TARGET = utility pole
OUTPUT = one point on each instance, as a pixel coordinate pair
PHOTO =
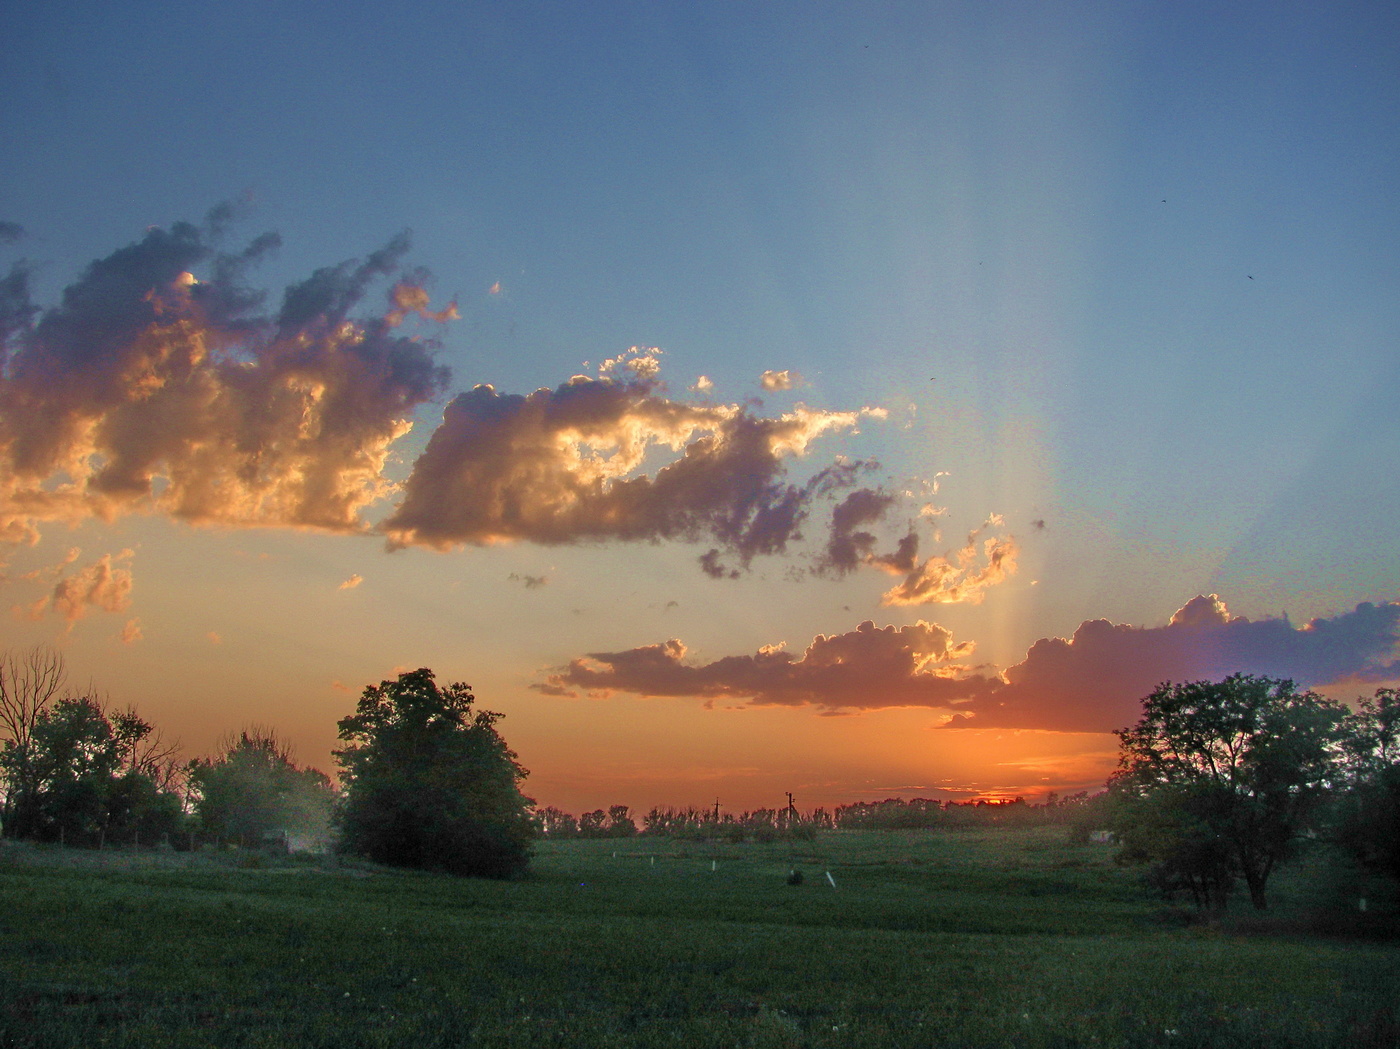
(717, 810)
(791, 809)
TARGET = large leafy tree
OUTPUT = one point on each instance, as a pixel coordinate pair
(1219, 779)
(430, 783)
(1369, 823)
(254, 792)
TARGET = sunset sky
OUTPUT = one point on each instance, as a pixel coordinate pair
(858, 400)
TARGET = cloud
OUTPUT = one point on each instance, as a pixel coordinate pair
(529, 582)
(10, 232)
(350, 584)
(412, 298)
(1091, 682)
(150, 389)
(950, 579)
(869, 667)
(101, 585)
(131, 633)
(161, 384)
(575, 464)
(848, 546)
(214, 637)
(702, 384)
(940, 579)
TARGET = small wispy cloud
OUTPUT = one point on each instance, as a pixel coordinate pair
(773, 381)
(104, 586)
(354, 581)
(131, 633)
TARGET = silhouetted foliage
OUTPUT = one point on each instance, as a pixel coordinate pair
(429, 782)
(555, 823)
(255, 794)
(90, 776)
(1219, 779)
(1368, 824)
(29, 682)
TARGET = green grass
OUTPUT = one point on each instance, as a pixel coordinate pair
(993, 938)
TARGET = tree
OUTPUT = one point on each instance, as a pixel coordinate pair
(430, 783)
(1219, 779)
(29, 682)
(93, 776)
(255, 793)
(1369, 818)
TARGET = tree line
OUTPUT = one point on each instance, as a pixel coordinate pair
(771, 824)
(426, 781)
(1218, 785)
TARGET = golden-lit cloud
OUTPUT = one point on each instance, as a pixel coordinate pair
(103, 586)
(869, 667)
(131, 633)
(1091, 682)
(159, 385)
(574, 464)
(149, 389)
(950, 579)
(775, 380)
(411, 298)
(354, 581)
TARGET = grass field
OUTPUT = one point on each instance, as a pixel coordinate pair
(978, 938)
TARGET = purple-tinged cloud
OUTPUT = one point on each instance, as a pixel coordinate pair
(849, 544)
(954, 578)
(149, 388)
(951, 578)
(1092, 682)
(570, 465)
(868, 667)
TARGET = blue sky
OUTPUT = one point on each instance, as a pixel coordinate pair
(1122, 274)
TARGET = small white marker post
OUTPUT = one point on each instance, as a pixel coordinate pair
(831, 879)
(1361, 905)
(653, 861)
(714, 866)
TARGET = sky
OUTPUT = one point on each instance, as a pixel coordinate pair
(858, 400)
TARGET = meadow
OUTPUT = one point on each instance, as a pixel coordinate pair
(994, 937)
